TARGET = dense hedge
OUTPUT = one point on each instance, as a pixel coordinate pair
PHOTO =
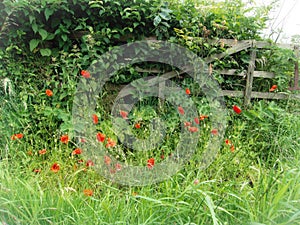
(47, 26)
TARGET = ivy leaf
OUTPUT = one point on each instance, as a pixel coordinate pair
(45, 51)
(156, 21)
(48, 12)
(43, 33)
(33, 44)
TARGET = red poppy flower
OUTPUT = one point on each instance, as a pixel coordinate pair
(85, 74)
(273, 88)
(16, 136)
(88, 192)
(100, 137)
(196, 120)
(107, 160)
(137, 125)
(49, 92)
(55, 167)
(193, 129)
(187, 124)
(77, 151)
(227, 142)
(64, 139)
(42, 152)
(187, 91)
(118, 167)
(37, 170)
(95, 119)
(232, 148)
(236, 109)
(89, 163)
(150, 163)
(202, 117)
(181, 110)
(29, 152)
(110, 143)
(124, 114)
(214, 131)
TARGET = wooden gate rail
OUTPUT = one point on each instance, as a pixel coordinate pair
(250, 74)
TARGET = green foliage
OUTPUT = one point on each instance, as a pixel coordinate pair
(45, 44)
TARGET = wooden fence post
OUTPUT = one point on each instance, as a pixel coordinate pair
(249, 81)
(296, 73)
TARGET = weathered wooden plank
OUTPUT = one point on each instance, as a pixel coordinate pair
(233, 93)
(262, 95)
(261, 74)
(233, 72)
(269, 95)
(236, 48)
(249, 81)
(296, 71)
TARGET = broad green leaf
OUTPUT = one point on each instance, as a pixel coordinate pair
(156, 21)
(45, 52)
(33, 44)
(43, 33)
(34, 27)
(164, 15)
(48, 12)
(64, 37)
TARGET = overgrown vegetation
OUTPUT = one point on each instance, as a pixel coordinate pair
(47, 46)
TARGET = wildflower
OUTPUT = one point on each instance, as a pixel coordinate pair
(107, 160)
(85, 74)
(95, 119)
(227, 142)
(37, 170)
(232, 148)
(196, 181)
(42, 152)
(202, 117)
(187, 124)
(49, 92)
(137, 125)
(273, 88)
(181, 110)
(110, 143)
(64, 139)
(55, 167)
(118, 167)
(16, 136)
(193, 129)
(88, 192)
(196, 120)
(187, 91)
(162, 156)
(214, 131)
(89, 163)
(77, 151)
(210, 69)
(150, 163)
(29, 152)
(236, 109)
(100, 137)
(124, 114)
(82, 140)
